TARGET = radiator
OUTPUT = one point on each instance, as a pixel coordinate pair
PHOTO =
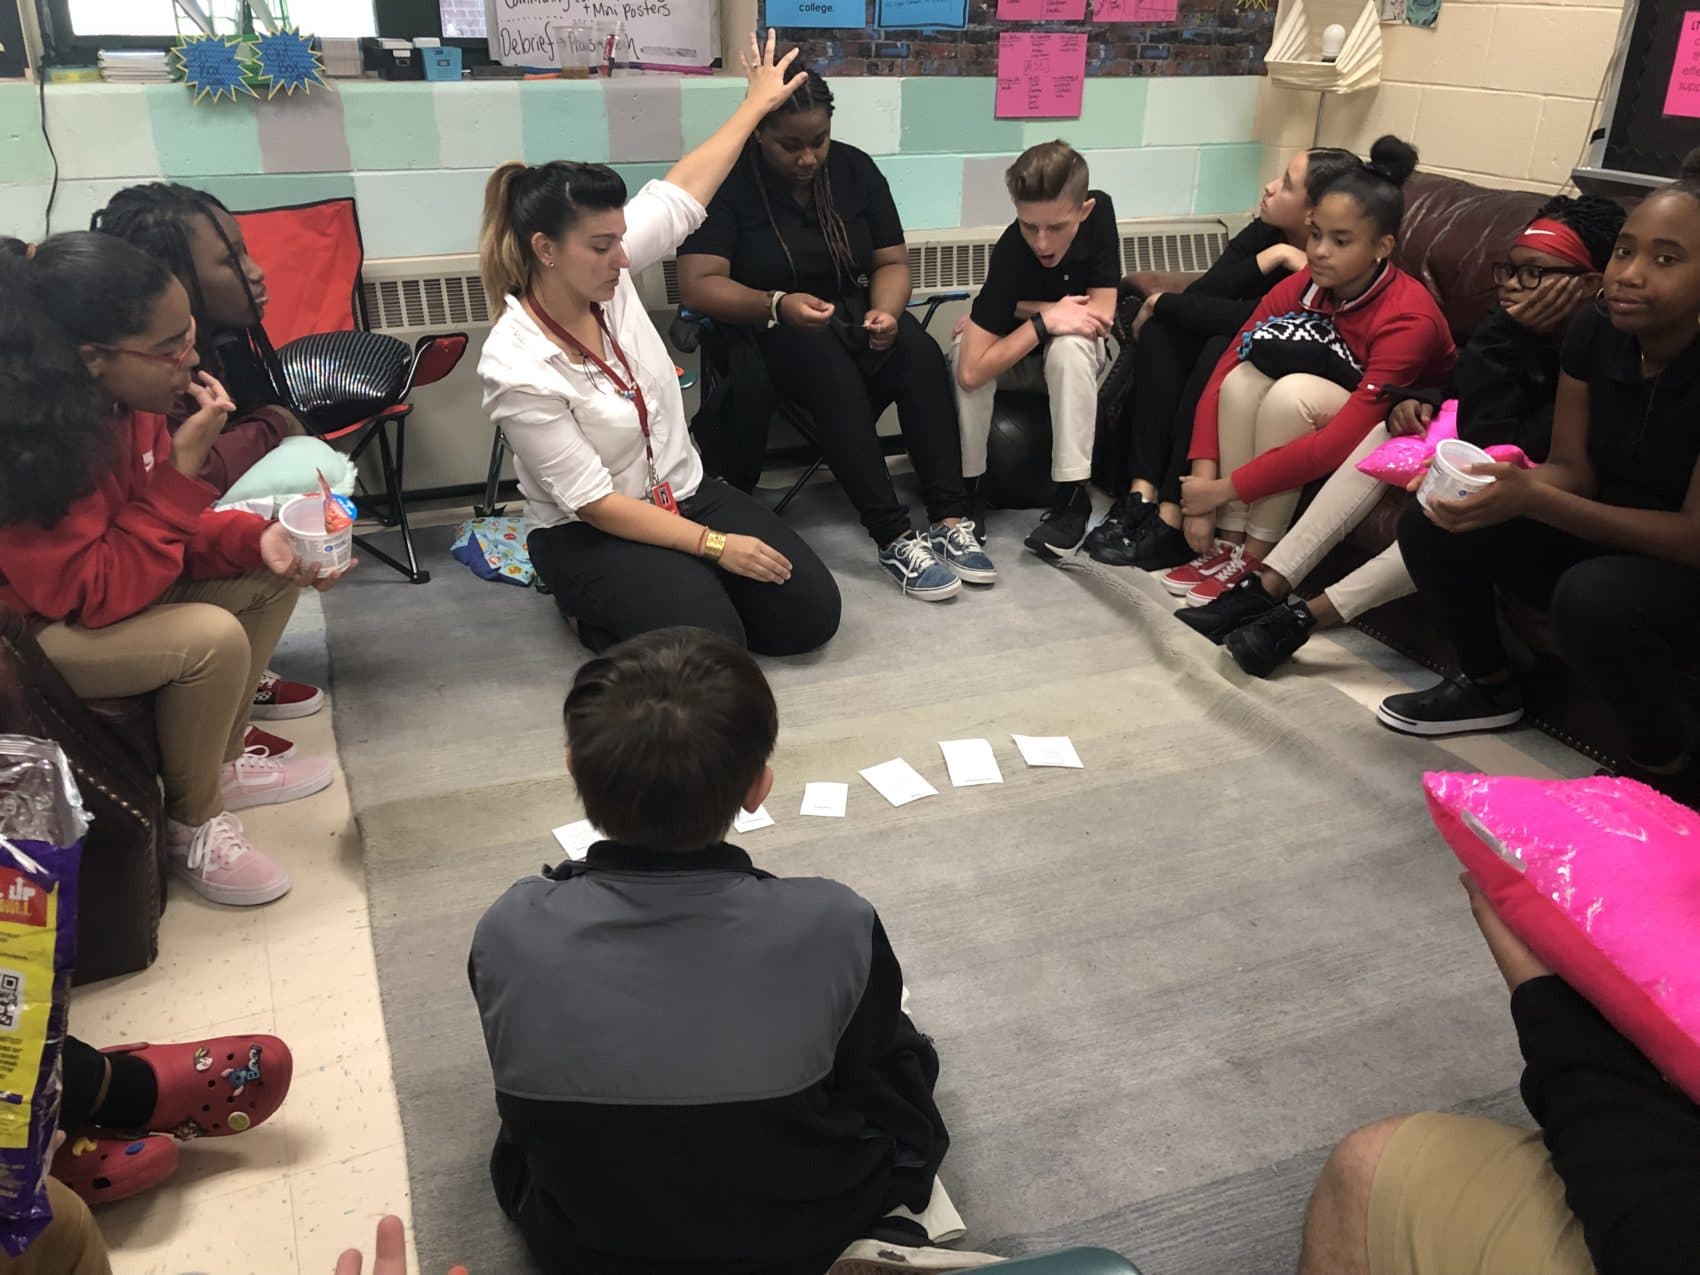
(448, 441)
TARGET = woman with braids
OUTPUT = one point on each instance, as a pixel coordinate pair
(624, 527)
(804, 249)
(111, 551)
(200, 242)
(1605, 535)
(1505, 381)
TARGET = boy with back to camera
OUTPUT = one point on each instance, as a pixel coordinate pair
(1040, 323)
(699, 1067)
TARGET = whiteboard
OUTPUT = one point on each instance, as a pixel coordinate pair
(658, 32)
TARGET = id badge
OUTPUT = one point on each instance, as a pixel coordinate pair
(661, 496)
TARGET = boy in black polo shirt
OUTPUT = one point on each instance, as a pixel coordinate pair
(1040, 322)
(699, 1067)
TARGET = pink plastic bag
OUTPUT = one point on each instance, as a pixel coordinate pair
(1601, 878)
(1399, 460)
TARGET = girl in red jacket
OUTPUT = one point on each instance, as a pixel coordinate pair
(1303, 384)
(109, 545)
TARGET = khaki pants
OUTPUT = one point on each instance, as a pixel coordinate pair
(1068, 369)
(1346, 499)
(203, 648)
(1256, 414)
(71, 1244)
(1455, 1195)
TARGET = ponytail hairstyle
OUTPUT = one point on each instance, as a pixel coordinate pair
(1373, 184)
(812, 95)
(1595, 219)
(521, 201)
(73, 289)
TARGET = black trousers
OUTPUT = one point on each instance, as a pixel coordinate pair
(1171, 367)
(82, 1069)
(616, 589)
(1623, 620)
(846, 393)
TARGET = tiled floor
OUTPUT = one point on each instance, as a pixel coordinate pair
(291, 1195)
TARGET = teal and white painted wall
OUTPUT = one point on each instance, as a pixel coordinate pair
(416, 155)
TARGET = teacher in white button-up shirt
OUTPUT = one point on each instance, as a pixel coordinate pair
(624, 527)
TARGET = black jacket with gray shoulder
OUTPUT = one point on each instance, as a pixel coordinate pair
(699, 1066)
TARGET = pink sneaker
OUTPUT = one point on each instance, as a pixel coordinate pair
(1183, 580)
(262, 743)
(217, 861)
(1213, 587)
(252, 780)
(278, 700)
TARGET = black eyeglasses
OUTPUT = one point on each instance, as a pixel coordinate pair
(1529, 276)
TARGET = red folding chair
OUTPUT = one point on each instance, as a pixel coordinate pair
(312, 255)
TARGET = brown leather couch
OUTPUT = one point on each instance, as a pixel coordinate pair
(114, 755)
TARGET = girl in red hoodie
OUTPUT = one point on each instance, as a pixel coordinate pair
(1303, 384)
(110, 547)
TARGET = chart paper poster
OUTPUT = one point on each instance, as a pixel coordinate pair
(895, 14)
(1041, 10)
(1134, 10)
(815, 13)
(1682, 96)
(1040, 75)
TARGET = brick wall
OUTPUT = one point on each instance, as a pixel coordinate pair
(1208, 37)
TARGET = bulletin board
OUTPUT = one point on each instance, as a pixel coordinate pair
(1653, 105)
(1206, 37)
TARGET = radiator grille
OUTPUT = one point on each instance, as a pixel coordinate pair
(432, 301)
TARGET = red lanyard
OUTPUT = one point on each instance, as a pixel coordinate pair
(628, 388)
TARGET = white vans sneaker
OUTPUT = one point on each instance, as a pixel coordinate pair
(256, 780)
(876, 1257)
(217, 861)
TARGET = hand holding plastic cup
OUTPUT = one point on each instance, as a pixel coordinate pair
(321, 527)
(1449, 476)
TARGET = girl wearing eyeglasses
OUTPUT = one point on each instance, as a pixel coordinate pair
(110, 548)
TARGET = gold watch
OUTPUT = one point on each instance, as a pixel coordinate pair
(713, 545)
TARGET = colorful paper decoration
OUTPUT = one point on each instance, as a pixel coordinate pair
(936, 14)
(815, 13)
(1041, 10)
(213, 65)
(1040, 75)
(289, 61)
(1682, 94)
(1134, 10)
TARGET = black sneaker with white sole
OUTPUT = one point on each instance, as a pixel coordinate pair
(1262, 645)
(1454, 706)
(1063, 525)
(1222, 615)
(1115, 535)
(1156, 547)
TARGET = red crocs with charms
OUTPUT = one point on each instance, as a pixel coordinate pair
(214, 1088)
(105, 1170)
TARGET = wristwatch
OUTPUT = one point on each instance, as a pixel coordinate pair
(713, 545)
(1040, 328)
(773, 300)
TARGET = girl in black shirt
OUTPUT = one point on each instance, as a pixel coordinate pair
(1606, 534)
(803, 250)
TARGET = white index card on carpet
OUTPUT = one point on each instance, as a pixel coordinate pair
(825, 799)
(577, 838)
(1048, 750)
(898, 782)
(752, 820)
(970, 762)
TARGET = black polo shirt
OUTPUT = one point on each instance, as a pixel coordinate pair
(740, 229)
(1093, 260)
(1643, 435)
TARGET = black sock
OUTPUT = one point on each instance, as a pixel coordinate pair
(131, 1095)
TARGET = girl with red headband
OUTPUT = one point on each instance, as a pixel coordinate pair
(1504, 382)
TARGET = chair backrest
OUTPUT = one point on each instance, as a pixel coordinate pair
(312, 255)
(434, 357)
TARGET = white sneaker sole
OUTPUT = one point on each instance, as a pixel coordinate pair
(1178, 588)
(248, 898)
(286, 712)
(239, 797)
(871, 1257)
(1461, 726)
(974, 575)
(941, 594)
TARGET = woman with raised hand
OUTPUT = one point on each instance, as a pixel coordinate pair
(624, 527)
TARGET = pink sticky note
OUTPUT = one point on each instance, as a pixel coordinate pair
(1682, 97)
(1041, 10)
(1134, 10)
(1040, 76)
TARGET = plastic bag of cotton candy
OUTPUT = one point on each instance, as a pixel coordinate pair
(41, 834)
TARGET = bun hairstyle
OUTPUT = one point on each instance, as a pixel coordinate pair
(1373, 184)
(1596, 220)
(523, 200)
(72, 290)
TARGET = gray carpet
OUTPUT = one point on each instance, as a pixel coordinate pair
(1161, 986)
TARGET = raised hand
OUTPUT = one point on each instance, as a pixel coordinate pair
(769, 87)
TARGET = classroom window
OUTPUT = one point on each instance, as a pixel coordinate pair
(144, 18)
